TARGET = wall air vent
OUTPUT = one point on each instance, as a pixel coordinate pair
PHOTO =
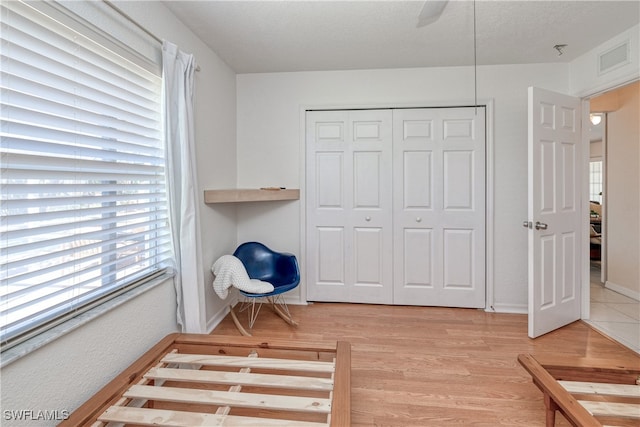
(613, 58)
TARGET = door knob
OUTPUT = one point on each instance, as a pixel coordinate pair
(368, 218)
(418, 219)
(540, 225)
(527, 224)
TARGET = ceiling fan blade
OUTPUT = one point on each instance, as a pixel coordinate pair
(430, 12)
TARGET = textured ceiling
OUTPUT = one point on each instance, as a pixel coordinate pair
(272, 36)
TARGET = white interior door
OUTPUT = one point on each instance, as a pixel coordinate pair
(349, 220)
(439, 207)
(554, 217)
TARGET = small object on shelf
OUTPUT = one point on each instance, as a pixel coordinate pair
(273, 188)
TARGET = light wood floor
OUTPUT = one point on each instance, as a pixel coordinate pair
(428, 366)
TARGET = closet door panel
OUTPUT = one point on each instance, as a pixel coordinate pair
(417, 180)
(370, 216)
(458, 179)
(349, 189)
(329, 180)
(458, 258)
(369, 254)
(367, 176)
(439, 190)
(418, 262)
(330, 256)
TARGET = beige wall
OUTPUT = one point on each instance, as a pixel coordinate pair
(622, 196)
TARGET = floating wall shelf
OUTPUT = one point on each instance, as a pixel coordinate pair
(250, 195)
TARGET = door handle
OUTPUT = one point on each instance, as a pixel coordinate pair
(541, 225)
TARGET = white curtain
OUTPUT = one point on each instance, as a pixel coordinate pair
(178, 74)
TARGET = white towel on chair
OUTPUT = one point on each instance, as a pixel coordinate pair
(230, 271)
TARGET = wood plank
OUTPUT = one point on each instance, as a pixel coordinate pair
(612, 409)
(341, 398)
(614, 363)
(233, 378)
(614, 370)
(621, 390)
(258, 343)
(162, 417)
(244, 362)
(250, 195)
(235, 345)
(225, 398)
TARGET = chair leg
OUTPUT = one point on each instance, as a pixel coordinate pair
(253, 313)
(236, 321)
(252, 308)
(279, 306)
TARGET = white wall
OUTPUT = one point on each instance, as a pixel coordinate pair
(586, 80)
(63, 374)
(271, 144)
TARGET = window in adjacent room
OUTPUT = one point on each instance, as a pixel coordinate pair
(595, 181)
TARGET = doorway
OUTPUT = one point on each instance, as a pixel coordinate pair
(614, 305)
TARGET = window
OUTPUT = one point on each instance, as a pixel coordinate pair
(83, 210)
(595, 181)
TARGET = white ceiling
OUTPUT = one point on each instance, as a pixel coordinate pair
(274, 36)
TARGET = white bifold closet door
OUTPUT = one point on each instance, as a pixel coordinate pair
(396, 206)
(439, 207)
(349, 206)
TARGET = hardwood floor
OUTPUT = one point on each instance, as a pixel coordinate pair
(430, 366)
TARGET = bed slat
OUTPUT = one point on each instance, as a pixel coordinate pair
(611, 409)
(225, 398)
(233, 378)
(622, 390)
(245, 362)
(162, 417)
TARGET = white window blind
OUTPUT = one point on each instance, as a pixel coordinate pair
(84, 208)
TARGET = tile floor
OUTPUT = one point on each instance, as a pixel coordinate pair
(614, 314)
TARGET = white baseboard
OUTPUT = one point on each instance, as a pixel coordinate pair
(623, 290)
(508, 308)
(220, 315)
(217, 318)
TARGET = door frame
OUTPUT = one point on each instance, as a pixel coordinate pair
(489, 178)
(585, 292)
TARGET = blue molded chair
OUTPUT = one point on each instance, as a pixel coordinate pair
(278, 268)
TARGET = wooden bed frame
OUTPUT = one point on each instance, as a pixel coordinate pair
(206, 380)
(588, 392)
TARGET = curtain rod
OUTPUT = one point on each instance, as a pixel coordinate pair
(136, 23)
